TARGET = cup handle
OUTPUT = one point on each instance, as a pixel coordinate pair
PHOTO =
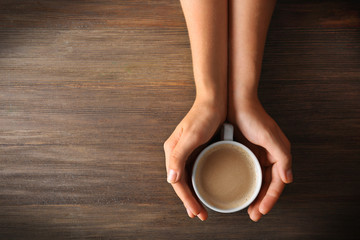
(227, 132)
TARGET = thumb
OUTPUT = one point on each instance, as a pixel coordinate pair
(185, 146)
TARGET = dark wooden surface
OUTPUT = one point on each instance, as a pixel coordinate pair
(89, 90)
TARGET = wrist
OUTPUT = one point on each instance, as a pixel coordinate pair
(243, 91)
(215, 90)
(243, 96)
(241, 102)
(212, 97)
(212, 91)
(214, 103)
(243, 83)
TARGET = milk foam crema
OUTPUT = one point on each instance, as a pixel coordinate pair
(226, 176)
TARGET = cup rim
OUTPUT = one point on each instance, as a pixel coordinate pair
(257, 169)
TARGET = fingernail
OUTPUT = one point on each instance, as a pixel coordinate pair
(202, 216)
(171, 176)
(289, 176)
(257, 217)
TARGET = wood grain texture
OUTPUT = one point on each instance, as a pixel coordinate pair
(89, 90)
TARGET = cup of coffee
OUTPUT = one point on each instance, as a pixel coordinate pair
(226, 175)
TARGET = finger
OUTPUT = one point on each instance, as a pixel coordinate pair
(284, 169)
(255, 215)
(286, 165)
(279, 153)
(170, 144)
(203, 215)
(273, 192)
(254, 212)
(176, 165)
(190, 214)
(184, 193)
(250, 209)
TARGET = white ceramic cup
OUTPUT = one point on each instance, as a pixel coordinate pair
(227, 136)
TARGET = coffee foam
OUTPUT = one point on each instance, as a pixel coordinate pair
(226, 176)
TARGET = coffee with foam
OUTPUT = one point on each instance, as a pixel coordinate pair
(226, 176)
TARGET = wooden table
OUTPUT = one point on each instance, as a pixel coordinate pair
(89, 90)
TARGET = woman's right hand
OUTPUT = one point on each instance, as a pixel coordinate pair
(197, 127)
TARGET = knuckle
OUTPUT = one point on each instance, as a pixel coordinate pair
(272, 126)
(274, 193)
(196, 137)
(166, 145)
(287, 157)
(199, 135)
(265, 137)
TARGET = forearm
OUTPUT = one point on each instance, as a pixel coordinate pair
(249, 21)
(207, 26)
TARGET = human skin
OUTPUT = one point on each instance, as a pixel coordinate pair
(207, 26)
(248, 25)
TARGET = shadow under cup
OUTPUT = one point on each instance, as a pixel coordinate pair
(226, 176)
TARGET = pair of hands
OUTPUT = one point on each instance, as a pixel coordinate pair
(258, 131)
